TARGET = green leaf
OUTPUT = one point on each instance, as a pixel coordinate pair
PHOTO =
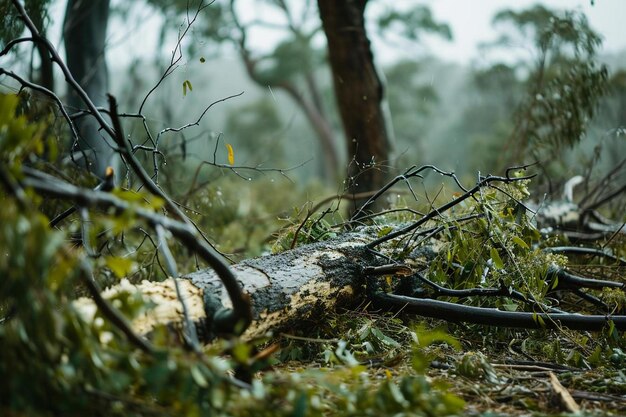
(121, 267)
(495, 257)
(510, 306)
(197, 376)
(539, 320)
(519, 242)
(384, 231)
(384, 338)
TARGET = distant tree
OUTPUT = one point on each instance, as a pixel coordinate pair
(564, 81)
(84, 30)
(295, 64)
(289, 67)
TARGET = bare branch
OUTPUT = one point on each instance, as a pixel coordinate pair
(494, 317)
(191, 337)
(237, 319)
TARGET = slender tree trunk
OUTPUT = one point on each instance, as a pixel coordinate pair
(359, 93)
(45, 74)
(85, 29)
(322, 129)
(312, 111)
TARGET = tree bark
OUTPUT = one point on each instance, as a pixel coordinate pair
(84, 30)
(359, 93)
(286, 290)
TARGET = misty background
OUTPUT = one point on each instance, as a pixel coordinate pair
(451, 99)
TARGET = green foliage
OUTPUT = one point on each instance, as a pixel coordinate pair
(412, 23)
(11, 25)
(550, 31)
(18, 137)
(474, 365)
(498, 249)
(565, 85)
(314, 229)
(547, 106)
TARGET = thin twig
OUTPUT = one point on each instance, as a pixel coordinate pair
(438, 211)
(108, 311)
(191, 336)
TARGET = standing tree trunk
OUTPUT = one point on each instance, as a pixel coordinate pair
(85, 29)
(359, 93)
(37, 13)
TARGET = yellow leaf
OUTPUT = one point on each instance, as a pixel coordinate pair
(187, 85)
(231, 154)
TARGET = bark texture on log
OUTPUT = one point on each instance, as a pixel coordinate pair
(286, 289)
(295, 285)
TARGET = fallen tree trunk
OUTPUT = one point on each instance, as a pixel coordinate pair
(292, 287)
(285, 290)
(288, 289)
(296, 287)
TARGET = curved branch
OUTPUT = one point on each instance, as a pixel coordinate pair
(108, 311)
(494, 317)
(567, 280)
(46, 92)
(585, 251)
(232, 321)
(14, 42)
(437, 211)
(482, 292)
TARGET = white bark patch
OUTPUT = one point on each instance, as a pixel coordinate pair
(167, 308)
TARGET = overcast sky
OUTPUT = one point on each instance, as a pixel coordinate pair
(471, 22)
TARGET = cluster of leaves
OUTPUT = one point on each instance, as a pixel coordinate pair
(566, 83)
(310, 230)
(12, 26)
(542, 105)
(497, 249)
(501, 250)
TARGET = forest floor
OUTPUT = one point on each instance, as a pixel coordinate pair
(497, 372)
